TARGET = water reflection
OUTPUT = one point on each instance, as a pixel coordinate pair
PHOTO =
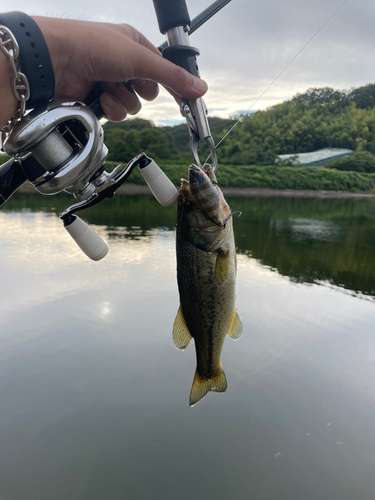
(308, 229)
(94, 395)
(310, 241)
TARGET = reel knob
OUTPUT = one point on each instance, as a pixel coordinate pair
(160, 185)
(86, 238)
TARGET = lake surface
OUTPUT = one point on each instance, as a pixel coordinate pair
(94, 396)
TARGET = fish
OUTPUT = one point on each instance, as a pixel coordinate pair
(206, 276)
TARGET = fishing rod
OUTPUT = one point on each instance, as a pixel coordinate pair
(59, 146)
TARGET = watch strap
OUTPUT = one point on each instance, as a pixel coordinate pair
(34, 57)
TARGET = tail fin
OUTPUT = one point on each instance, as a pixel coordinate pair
(201, 386)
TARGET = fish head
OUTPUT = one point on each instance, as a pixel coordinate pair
(204, 193)
(195, 220)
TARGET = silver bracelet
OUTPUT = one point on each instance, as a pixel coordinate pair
(20, 84)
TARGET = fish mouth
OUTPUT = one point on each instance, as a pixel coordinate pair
(185, 190)
(194, 172)
(211, 229)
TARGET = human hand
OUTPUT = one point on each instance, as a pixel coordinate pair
(83, 53)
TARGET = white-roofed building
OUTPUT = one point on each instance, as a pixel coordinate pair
(316, 158)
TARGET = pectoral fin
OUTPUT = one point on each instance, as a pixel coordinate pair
(181, 335)
(236, 328)
(201, 386)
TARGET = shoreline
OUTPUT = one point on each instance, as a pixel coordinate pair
(135, 189)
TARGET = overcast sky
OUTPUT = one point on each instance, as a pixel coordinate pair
(248, 43)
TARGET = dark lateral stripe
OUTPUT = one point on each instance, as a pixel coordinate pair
(201, 187)
(210, 209)
(212, 200)
(201, 193)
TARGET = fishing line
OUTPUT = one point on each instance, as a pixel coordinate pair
(278, 76)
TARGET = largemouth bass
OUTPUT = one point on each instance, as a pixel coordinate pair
(206, 274)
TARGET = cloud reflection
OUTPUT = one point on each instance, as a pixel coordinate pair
(40, 262)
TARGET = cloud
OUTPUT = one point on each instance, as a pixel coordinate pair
(247, 44)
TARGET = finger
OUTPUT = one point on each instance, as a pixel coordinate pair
(113, 108)
(128, 99)
(142, 40)
(147, 89)
(150, 66)
(176, 97)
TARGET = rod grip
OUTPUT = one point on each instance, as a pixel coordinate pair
(11, 178)
(171, 13)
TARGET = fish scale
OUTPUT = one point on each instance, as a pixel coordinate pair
(201, 301)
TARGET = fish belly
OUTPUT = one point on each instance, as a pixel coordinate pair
(207, 297)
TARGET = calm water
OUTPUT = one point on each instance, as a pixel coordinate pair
(94, 397)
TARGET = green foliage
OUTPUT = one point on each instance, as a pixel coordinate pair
(122, 144)
(130, 124)
(272, 177)
(317, 119)
(296, 127)
(364, 97)
(362, 161)
(3, 159)
(293, 178)
(130, 137)
(323, 96)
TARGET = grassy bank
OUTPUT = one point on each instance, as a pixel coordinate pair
(274, 177)
(311, 178)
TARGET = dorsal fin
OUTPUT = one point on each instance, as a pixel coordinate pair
(236, 328)
(181, 335)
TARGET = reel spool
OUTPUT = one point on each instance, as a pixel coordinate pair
(60, 146)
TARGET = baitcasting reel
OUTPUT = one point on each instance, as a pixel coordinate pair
(59, 148)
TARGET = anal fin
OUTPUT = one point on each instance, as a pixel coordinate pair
(181, 335)
(235, 328)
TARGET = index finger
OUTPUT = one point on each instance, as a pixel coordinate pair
(150, 66)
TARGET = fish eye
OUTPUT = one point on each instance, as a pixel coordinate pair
(188, 206)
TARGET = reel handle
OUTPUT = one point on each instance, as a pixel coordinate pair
(86, 238)
(160, 185)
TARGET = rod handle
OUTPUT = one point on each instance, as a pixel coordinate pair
(11, 178)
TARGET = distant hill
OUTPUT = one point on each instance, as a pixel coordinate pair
(128, 138)
(319, 118)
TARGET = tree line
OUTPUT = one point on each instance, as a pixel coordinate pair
(319, 118)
